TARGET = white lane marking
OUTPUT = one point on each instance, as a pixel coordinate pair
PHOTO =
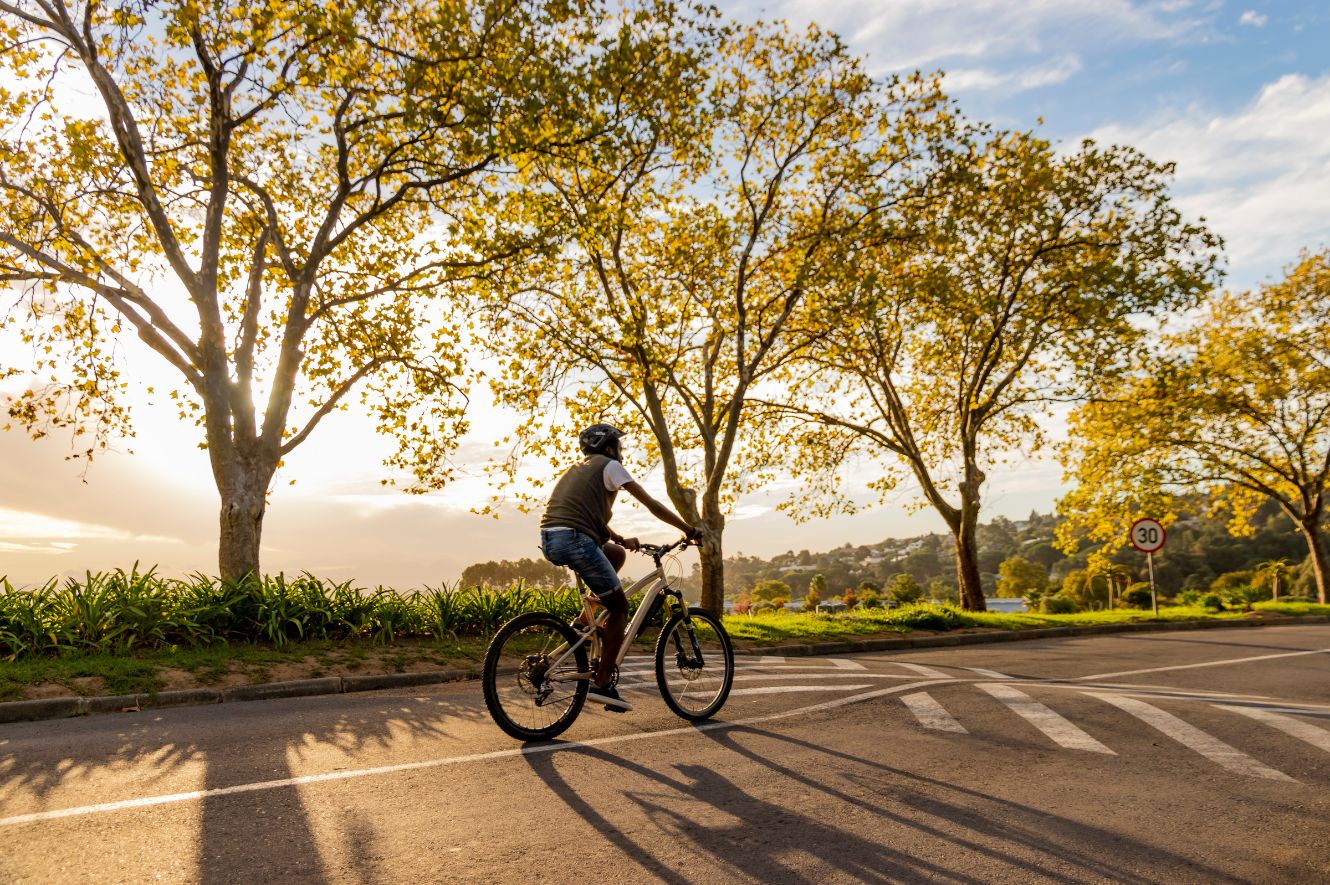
(1225, 663)
(991, 674)
(1058, 729)
(846, 664)
(1305, 731)
(1193, 738)
(784, 689)
(923, 671)
(930, 713)
(147, 801)
(771, 659)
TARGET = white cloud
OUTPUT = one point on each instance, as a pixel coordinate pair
(1253, 19)
(982, 79)
(1261, 175)
(905, 34)
(21, 525)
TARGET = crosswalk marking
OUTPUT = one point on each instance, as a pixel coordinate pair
(1041, 717)
(922, 670)
(771, 659)
(990, 674)
(931, 714)
(1193, 738)
(846, 664)
(1305, 731)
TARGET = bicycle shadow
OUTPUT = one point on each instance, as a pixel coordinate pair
(768, 838)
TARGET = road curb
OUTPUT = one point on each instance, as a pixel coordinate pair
(70, 707)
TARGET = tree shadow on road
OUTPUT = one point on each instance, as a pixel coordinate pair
(949, 833)
(249, 835)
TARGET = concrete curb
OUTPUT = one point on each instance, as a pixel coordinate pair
(69, 707)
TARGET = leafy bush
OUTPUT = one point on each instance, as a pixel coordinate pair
(1212, 602)
(1057, 604)
(1138, 596)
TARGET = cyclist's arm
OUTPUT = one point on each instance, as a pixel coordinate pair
(657, 509)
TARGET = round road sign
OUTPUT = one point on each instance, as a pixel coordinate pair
(1147, 535)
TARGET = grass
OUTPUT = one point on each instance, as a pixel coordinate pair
(131, 632)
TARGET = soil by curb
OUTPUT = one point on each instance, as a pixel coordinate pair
(67, 707)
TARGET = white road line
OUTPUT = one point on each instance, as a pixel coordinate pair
(695, 728)
(846, 664)
(923, 671)
(1193, 738)
(1305, 731)
(1058, 729)
(771, 659)
(1290, 654)
(930, 713)
(991, 674)
(784, 689)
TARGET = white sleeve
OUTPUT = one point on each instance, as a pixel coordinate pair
(616, 476)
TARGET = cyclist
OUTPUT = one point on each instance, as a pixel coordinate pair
(575, 532)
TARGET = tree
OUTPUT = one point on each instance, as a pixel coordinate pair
(693, 242)
(535, 572)
(811, 600)
(1029, 274)
(1086, 589)
(270, 197)
(1235, 405)
(1275, 574)
(1020, 577)
(770, 591)
(818, 585)
(904, 589)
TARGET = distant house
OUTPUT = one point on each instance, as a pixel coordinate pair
(831, 607)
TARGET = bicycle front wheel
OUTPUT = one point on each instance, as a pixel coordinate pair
(694, 664)
(530, 694)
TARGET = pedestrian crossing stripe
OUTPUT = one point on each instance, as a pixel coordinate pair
(1054, 726)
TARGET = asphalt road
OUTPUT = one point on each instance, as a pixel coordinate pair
(1197, 756)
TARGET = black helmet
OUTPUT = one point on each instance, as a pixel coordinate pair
(596, 438)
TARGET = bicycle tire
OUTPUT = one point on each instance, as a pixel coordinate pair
(697, 687)
(511, 695)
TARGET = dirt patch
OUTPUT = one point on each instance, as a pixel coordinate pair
(48, 690)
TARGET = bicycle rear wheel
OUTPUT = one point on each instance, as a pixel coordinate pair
(527, 697)
(694, 664)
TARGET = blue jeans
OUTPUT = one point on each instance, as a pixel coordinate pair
(581, 553)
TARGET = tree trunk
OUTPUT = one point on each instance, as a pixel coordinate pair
(1316, 543)
(967, 568)
(965, 532)
(713, 560)
(243, 491)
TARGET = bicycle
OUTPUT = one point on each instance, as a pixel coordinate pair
(537, 667)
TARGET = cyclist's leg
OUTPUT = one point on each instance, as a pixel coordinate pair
(583, 555)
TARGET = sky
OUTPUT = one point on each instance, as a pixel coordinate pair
(1237, 95)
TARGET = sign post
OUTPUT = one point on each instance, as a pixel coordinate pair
(1148, 535)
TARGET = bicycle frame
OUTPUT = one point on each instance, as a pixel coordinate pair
(658, 585)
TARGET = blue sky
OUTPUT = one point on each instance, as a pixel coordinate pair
(1238, 95)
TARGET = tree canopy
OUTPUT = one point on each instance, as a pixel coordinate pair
(1233, 404)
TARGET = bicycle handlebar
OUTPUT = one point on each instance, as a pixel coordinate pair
(656, 551)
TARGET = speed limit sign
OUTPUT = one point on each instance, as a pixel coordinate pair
(1147, 535)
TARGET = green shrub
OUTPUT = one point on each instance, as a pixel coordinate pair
(1138, 596)
(1211, 602)
(1057, 604)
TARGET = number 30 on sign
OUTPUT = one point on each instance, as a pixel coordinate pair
(1147, 535)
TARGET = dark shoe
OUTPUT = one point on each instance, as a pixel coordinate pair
(609, 696)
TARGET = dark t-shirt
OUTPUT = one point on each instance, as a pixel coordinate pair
(581, 501)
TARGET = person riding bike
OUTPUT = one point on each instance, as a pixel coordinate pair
(575, 532)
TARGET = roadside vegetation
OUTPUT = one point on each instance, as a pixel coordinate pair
(134, 631)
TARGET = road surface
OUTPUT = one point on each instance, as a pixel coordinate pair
(1194, 756)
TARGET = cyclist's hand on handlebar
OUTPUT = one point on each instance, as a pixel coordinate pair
(695, 533)
(632, 543)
